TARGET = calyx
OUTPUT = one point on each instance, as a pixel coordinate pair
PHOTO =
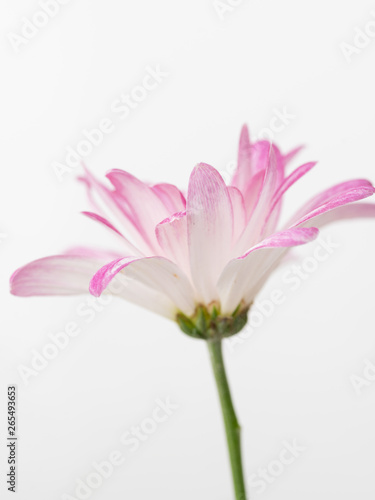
(207, 322)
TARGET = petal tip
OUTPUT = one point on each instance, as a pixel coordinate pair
(94, 288)
(202, 166)
(244, 135)
(13, 282)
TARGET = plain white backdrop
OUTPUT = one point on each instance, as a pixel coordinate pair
(222, 64)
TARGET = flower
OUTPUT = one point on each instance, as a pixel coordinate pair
(199, 260)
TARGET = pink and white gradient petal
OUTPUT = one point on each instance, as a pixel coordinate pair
(55, 275)
(172, 198)
(209, 226)
(241, 276)
(71, 275)
(239, 212)
(128, 246)
(352, 211)
(112, 206)
(355, 191)
(270, 184)
(243, 173)
(157, 273)
(147, 209)
(171, 234)
(252, 193)
(269, 221)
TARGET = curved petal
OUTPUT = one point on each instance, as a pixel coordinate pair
(172, 198)
(289, 181)
(289, 156)
(238, 210)
(209, 224)
(146, 208)
(269, 223)
(171, 234)
(353, 191)
(253, 158)
(260, 153)
(113, 206)
(71, 275)
(146, 297)
(130, 248)
(157, 273)
(327, 195)
(101, 220)
(270, 182)
(55, 275)
(240, 278)
(252, 193)
(352, 211)
(243, 172)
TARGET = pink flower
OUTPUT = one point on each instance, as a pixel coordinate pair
(214, 250)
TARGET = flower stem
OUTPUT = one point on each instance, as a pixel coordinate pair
(232, 427)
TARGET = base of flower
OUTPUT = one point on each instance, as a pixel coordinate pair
(207, 323)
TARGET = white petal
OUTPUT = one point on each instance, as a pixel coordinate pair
(238, 210)
(172, 237)
(241, 277)
(157, 273)
(209, 222)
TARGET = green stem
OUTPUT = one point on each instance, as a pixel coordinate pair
(232, 427)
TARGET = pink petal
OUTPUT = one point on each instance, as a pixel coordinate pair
(102, 220)
(71, 274)
(157, 273)
(128, 246)
(171, 234)
(252, 193)
(243, 172)
(209, 222)
(326, 195)
(270, 184)
(172, 198)
(289, 156)
(252, 159)
(239, 212)
(55, 275)
(112, 205)
(337, 196)
(352, 211)
(277, 197)
(146, 207)
(260, 154)
(242, 277)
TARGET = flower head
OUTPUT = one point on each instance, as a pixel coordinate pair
(202, 259)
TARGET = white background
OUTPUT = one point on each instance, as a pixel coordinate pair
(292, 379)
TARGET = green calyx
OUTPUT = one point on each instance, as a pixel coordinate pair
(207, 322)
